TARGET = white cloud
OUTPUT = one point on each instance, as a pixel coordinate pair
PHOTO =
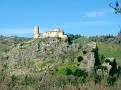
(100, 13)
(94, 14)
(89, 23)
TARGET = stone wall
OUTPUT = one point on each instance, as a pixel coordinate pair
(55, 33)
(50, 34)
(36, 32)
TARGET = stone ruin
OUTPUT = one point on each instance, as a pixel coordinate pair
(56, 33)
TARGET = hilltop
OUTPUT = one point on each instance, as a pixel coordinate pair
(6, 42)
(32, 61)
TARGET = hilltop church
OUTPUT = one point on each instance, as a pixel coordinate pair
(55, 33)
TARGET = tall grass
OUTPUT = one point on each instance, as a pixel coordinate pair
(56, 82)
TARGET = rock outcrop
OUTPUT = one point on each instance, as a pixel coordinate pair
(88, 55)
(110, 66)
(39, 55)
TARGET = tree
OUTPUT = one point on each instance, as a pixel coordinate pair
(97, 60)
(80, 73)
(116, 7)
(69, 71)
(113, 69)
(84, 52)
(80, 58)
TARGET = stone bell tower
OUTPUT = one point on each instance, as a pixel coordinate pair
(36, 32)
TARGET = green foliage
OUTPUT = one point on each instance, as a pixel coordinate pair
(111, 80)
(110, 50)
(102, 58)
(73, 37)
(113, 70)
(80, 58)
(69, 65)
(80, 73)
(104, 39)
(69, 40)
(97, 60)
(107, 61)
(98, 79)
(84, 52)
(69, 72)
(82, 40)
(116, 54)
(62, 71)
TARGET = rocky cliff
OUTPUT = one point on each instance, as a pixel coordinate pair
(49, 55)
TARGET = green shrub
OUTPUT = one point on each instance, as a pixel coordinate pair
(111, 80)
(107, 61)
(80, 73)
(98, 79)
(69, 71)
(84, 52)
(80, 58)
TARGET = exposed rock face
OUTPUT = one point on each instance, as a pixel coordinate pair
(39, 55)
(58, 45)
(110, 66)
(88, 61)
(92, 45)
(43, 54)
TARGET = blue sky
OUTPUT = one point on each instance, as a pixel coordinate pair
(84, 17)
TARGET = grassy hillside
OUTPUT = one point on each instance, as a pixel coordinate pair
(108, 49)
(82, 40)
